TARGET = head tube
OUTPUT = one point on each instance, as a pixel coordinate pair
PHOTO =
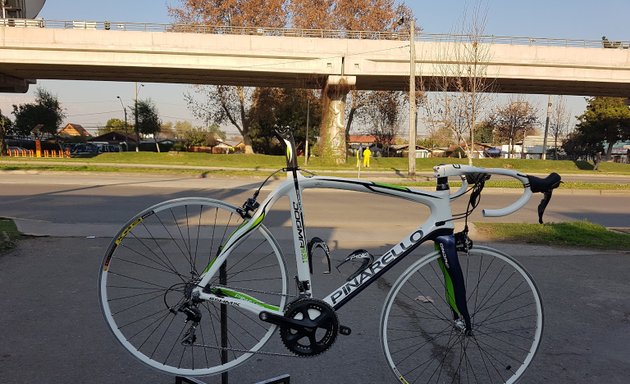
(285, 135)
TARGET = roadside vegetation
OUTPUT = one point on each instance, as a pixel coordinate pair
(579, 234)
(8, 235)
(255, 162)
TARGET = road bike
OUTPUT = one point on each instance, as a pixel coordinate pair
(196, 286)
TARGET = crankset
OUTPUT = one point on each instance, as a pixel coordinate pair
(308, 327)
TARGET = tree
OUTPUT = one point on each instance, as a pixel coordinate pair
(181, 127)
(241, 13)
(384, 117)
(5, 127)
(283, 107)
(45, 111)
(211, 136)
(224, 105)
(115, 125)
(578, 146)
(367, 15)
(484, 132)
(148, 120)
(514, 120)
(559, 122)
(463, 89)
(605, 119)
(311, 14)
(228, 104)
(231, 105)
(439, 137)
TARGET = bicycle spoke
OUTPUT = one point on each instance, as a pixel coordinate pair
(504, 310)
(152, 269)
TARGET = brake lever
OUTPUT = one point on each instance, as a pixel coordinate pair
(543, 204)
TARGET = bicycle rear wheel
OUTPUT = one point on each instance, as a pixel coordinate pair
(155, 261)
(422, 342)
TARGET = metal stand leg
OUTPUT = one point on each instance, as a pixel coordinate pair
(283, 379)
(188, 380)
(224, 331)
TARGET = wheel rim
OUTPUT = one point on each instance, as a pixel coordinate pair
(423, 344)
(153, 263)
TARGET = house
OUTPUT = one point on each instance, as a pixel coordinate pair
(222, 148)
(530, 148)
(402, 150)
(621, 152)
(354, 141)
(461, 150)
(74, 130)
(117, 138)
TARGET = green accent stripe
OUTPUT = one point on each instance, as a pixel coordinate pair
(450, 290)
(392, 186)
(242, 296)
(256, 224)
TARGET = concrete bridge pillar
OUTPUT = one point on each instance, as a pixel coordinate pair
(332, 132)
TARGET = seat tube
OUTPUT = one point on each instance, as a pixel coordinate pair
(455, 286)
(299, 238)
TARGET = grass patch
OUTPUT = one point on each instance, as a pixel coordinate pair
(581, 234)
(515, 184)
(8, 235)
(260, 162)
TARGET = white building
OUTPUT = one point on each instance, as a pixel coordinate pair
(531, 147)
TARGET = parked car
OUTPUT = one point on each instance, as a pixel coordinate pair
(84, 150)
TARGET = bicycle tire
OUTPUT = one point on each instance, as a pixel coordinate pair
(157, 257)
(423, 344)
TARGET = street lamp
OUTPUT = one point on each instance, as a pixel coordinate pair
(136, 128)
(126, 127)
(412, 98)
(308, 115)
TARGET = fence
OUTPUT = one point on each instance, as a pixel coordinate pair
(13, 152)
(313, 33)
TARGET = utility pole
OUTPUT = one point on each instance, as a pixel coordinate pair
(308, 115)
(135, 127)
(544, 149)
(126, 126)
(412, 99)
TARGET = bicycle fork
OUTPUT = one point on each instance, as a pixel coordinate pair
(454, 284)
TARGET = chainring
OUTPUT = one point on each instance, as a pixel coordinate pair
(319, 330)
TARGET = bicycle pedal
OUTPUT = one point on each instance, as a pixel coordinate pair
(346, 331)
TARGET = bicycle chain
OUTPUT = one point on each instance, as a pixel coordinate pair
(244, 350)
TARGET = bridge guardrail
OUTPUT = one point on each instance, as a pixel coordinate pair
(314, 33)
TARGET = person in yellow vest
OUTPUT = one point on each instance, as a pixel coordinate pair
(366, 157)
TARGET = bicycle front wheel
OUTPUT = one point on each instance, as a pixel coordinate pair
(156, 260)
(424, 344)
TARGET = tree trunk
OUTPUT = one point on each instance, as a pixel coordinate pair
(609, 150)
(333, 131)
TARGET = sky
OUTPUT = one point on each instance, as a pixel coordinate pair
(92, 103)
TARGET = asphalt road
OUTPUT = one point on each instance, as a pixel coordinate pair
(52, 330)
(79, 203)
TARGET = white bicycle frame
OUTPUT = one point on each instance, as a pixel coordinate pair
(438, 223)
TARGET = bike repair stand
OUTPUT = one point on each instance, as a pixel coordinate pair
(283, 379)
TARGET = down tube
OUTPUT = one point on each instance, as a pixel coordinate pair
(347, 291)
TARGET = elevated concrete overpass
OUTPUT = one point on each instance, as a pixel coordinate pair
(109, 51)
